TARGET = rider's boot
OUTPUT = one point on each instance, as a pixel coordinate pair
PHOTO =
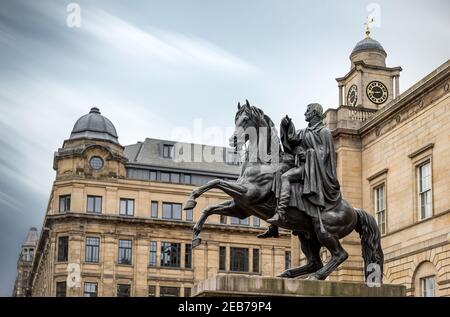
(271, 232)
(280, 214)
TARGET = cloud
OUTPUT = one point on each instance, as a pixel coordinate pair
(156, 46)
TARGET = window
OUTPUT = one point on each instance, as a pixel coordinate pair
(169, 291)
(151, 291)
(170, 254)
(123, 290)
(189, 215)
(152, 256)
(94, 204)
(153, 175)
(90, 289)
(380, 207)
(223, 219)
(154, 210)
(424, 185)
(428, 286)
(287, 260)
(125, 251)
(239, 259)
(256, 222)
(92, 249)
(187, 292)
(168, 151)
(232, 158)
(96, 162)
(256, 260)
(126, 207)
(187, 256)
(61, 289)
(27, 255)
(63, 249)
(237, 221)
(171, 211)
(187, 179)
(175, 177)
(165, 177)
(222, 258)
(64, 203)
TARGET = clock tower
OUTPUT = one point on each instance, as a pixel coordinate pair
(369, 83)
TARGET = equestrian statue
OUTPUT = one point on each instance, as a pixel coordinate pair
(290, 182)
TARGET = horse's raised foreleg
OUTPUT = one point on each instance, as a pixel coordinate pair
(311, 249)
(231, 188)
(226, 208)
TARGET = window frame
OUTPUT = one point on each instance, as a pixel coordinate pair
(65, 198)
(380, 212)
(86, 248)
(419, 192)
(162, 287)
(127, 201)
(171, 211)
(244, 263)
(154, 212)
(85, 292)
(94, 204)
(170, 152)
(62, 257)
(58, 292)
(122, 284)
(188, 256)
(423, 281)
(153, 254)
(169, 260)
(125, 249)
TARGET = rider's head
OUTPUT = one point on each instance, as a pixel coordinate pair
(313, 110)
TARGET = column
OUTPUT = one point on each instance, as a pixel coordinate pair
(340, 102)
(397, 86)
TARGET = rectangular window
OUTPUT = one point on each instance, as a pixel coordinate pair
(175, 177)
(153, 175)
(171, 211)
(287, 260)
(428, 286)
(64, 203)
(187, 256)
(169, 291)
(223, 219)
(168, 151)
(63, 249)
(256, 260)
(90, 289)
(125, 251)
(154, 210)
(152, 256)
(165, 177)
(239, 259)
(94, 204)
(380, 208)
(126, 207)
(189, 215)
(424, 173)
(187, 292)
(123, 290)
(92, 249)
(170, 254)
(151, 291)
(61, 289)
(242, 222)
(187, 179)
(256, 222)
(222, 258)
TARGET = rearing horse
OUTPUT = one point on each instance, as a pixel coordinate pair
(252, 194)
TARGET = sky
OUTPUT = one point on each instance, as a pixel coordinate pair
(156, 68)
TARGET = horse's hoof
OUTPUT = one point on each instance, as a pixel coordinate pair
(196, 242)
(312, 277)
(190, 204)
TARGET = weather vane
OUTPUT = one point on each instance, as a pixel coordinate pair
(367, 24)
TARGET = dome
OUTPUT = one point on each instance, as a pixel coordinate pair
(94, 126)
(368, 44)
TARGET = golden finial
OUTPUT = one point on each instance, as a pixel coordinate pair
(367, 24)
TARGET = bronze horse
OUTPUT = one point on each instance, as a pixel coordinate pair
(252, 194)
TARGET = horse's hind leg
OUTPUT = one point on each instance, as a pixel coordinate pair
(311, 249)
(338, 254)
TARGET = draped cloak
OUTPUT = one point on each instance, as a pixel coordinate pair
(320, 187)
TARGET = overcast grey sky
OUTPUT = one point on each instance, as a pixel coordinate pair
(154, 66)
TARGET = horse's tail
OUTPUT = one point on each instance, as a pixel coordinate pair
(370, 241)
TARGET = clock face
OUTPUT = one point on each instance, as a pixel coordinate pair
(352, 96)
(377, 92)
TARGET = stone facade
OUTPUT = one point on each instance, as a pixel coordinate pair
(385, 147)
(22, 283)
(68, 269)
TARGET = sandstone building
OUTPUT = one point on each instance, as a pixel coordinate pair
(393, 155)
(115, 225)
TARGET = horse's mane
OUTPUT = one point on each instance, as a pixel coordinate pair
(262, 120)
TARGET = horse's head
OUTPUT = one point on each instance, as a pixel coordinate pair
(245, 120)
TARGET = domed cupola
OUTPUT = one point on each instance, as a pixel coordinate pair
(94, 126)
(370, 52)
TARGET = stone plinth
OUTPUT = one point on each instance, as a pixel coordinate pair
(247, 285)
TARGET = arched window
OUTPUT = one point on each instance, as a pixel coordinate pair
(425, 280)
